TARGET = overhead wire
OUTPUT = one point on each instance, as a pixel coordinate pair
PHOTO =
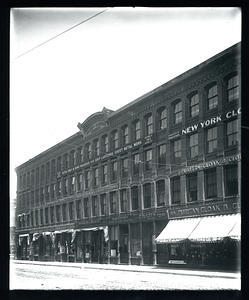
(94, 16)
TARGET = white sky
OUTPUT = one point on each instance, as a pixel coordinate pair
(109, 60)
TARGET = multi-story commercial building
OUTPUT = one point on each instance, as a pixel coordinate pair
(155, 182)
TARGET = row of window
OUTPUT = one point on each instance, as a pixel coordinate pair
(95, 206)
(193, 145)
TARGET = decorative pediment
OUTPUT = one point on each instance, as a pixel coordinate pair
(95, 122)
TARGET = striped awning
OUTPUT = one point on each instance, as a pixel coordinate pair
(177, 230)
(216, 228)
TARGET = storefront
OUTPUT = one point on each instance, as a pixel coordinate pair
(203, 241)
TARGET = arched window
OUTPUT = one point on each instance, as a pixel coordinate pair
(148, 124)
(193, 104)
(162, 118)
(136, 130)
(125, 134)
(95, 148)
(177, 111)
(232, 86)
(114, 139)
(147, 195)
(212, 96)
(105, 143)
(160, 190)
(87, 151)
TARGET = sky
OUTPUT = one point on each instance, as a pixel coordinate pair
(68, 63)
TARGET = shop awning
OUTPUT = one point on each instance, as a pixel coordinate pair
(215, 228)
(235, 233)
(22, 236)
(177, 230)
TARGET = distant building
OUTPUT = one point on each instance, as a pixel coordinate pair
(12, 227)
(155, 182)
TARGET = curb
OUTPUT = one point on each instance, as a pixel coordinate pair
(199, 273)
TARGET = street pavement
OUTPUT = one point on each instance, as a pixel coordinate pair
(135, 268)
(34, 275)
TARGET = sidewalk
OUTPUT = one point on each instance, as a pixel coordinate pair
(133, 268)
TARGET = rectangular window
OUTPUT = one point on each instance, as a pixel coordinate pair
(113, 202)
(36, 218)
(37, 196)
(42, 195)
(124, 167)
(52, 214)
(177, 152)
(104, 174)
(194, 106)
(193, 145)
(32, 218)
(135, 161)
(53, 190)
(160, 189)
(212, 97)
(64, 211)
(175, 190)
(161, 155)
(86, 207)
(41, 216)
(47, 192)
(59, 188)
(211, 183)
(103, 204)
(114, 169)
(212, 140)
(177, 113)
(148, 160)
(232, 133)
(233, 88)
(95, 176)
(231, 180)
(123, 200)
(79, 181)
(72, 181)
(32, 198)
(192, 187)
(94, 206)
(71, 211)
(79, 209)
(134, 197)
(87, 179)
(147, 195)
(46, 215)
(58, 213)
(65, 181)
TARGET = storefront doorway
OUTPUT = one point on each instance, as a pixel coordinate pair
(147, 243)
(123, 246)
